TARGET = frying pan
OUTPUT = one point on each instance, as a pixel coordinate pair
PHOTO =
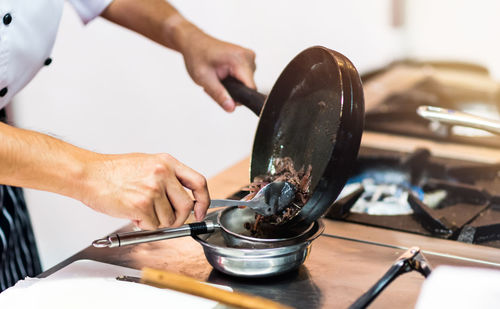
(314, 114)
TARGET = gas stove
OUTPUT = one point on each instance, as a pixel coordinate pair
(420, 193)
(420, 187)
(427, 188)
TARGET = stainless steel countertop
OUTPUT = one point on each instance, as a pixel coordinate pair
(340, 268)
(343, 264)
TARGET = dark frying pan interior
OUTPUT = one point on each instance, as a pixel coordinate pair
(314, 115)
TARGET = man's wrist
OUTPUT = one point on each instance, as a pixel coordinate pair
(89, 176)
(178, 32)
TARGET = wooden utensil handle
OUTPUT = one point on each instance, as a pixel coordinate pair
(163, 279)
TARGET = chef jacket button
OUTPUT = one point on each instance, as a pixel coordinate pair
(47, 61)
(3, 92)
(7, 19)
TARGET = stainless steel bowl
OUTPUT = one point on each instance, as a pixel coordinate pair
(269, 260)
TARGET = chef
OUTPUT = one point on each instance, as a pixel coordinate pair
(146, 188)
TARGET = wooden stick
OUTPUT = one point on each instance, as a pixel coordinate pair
(177, 282)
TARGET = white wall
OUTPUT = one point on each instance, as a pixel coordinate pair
(459, 30)
(112, 91)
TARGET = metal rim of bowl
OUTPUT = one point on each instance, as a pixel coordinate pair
(256, 239)
(318, 228)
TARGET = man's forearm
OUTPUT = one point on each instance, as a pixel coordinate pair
(155, 19)
(208, 60)
(38, 161)
(146, 188)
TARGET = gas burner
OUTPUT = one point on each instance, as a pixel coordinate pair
(385, 192)
(422, 194)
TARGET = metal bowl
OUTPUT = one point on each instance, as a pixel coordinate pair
(233, 221)
(272, 258)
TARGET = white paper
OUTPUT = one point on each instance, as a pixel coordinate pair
(90, 284)
(461, 287)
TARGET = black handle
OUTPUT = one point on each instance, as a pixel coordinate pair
(366, 299)
(198, 228)
(252, 99)
(412, 259)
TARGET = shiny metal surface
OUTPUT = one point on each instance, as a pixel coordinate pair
(411, 260)
(103, 243)
(453, 117)
(138, 237)
(257, 259)
(337, 271)
(255, 266)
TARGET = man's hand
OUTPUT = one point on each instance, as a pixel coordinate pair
(209, 60)
(148, 189)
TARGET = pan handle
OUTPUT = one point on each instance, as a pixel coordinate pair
(252, 99)
(132, 238)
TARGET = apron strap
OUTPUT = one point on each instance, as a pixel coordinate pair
(18, 251)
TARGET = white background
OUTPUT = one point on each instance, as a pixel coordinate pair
(112, 91)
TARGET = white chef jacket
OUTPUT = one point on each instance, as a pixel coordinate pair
(28, 30)
(27, 33)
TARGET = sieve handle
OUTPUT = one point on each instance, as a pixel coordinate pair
(132, 238)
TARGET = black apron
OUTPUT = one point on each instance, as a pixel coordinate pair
(18, 252)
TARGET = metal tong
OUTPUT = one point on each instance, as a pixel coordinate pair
(411, 260)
